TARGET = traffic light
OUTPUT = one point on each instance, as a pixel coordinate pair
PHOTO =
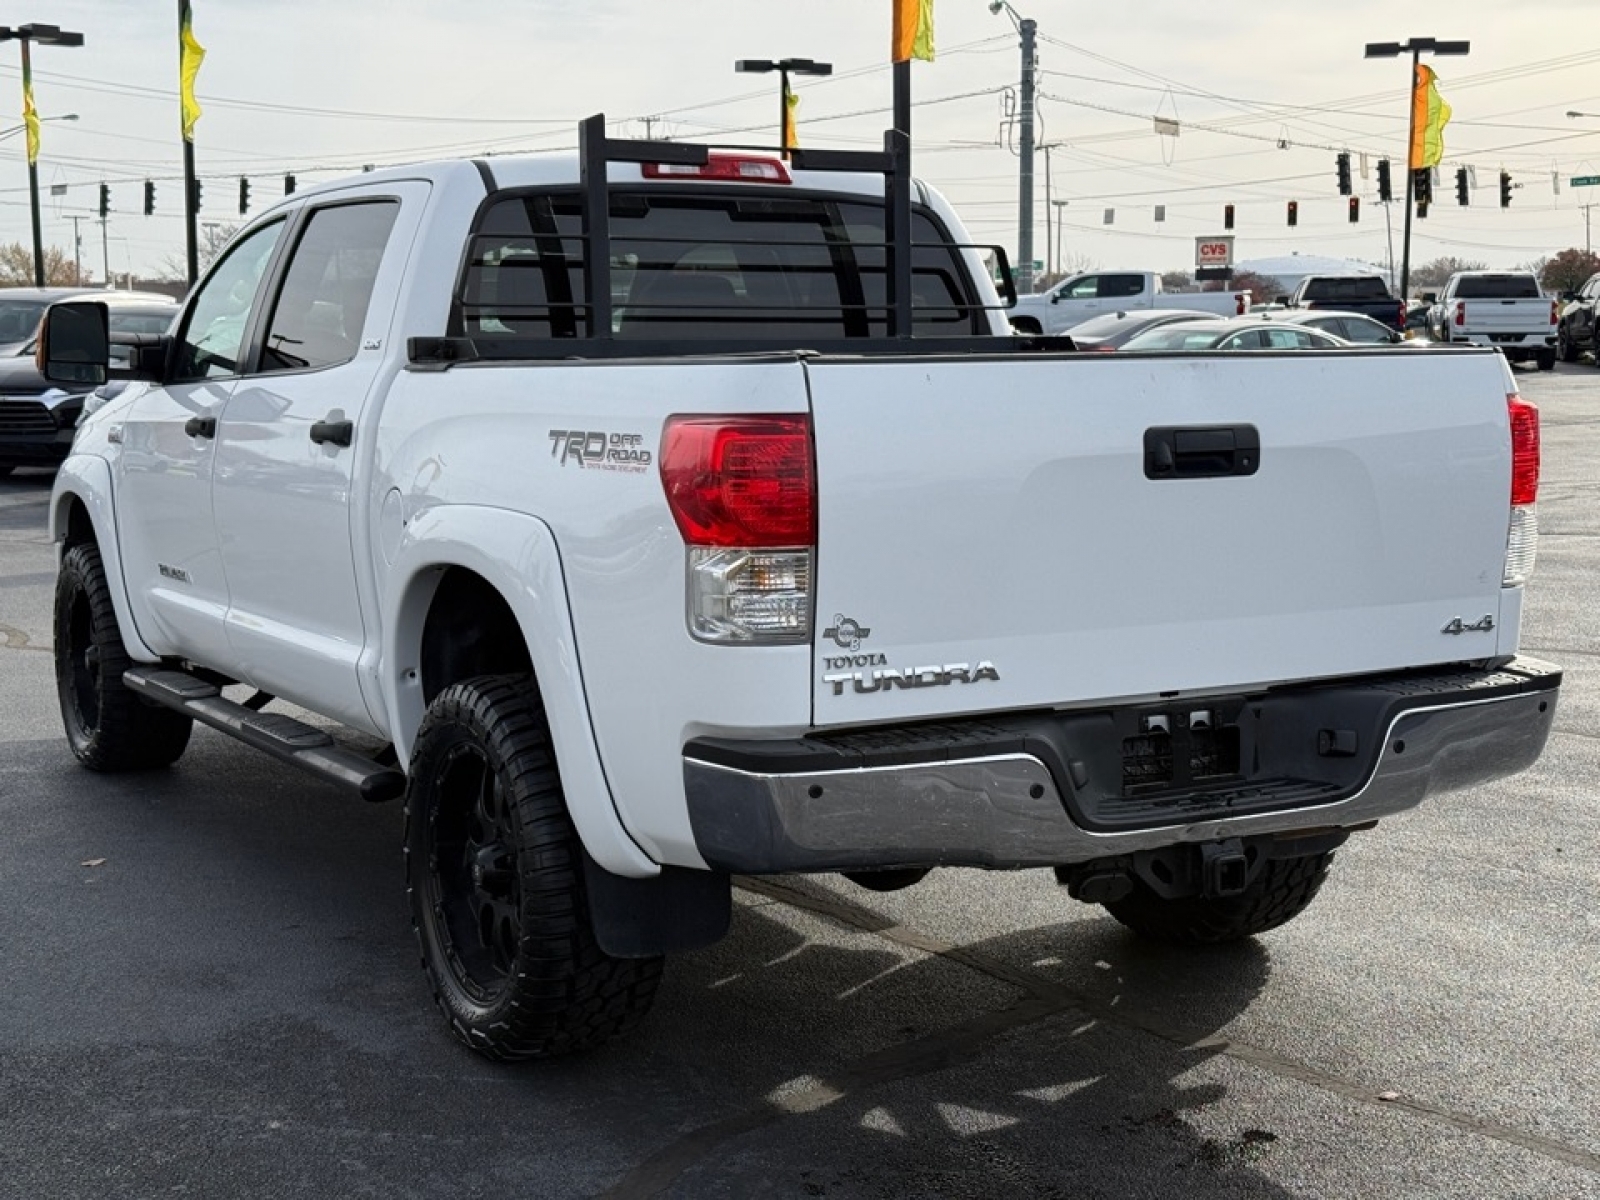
(244, 195)
(1294, 212)
(1461, 187)
(288, 185)
(149, 198)
(105, 201)
(1385, 187)
(1505, 189)
(194, 194)
(1355, 209)
(1422, 186)
(1227, 216)
(1344, 172)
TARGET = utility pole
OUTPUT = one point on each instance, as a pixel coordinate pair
(77, 252)
(105, 249)
(1027, 27)
(1586, 208)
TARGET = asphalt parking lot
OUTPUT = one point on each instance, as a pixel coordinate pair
(211, 989)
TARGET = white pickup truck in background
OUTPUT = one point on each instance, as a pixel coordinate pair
(1505, 310)
(1094, 293)
(660, 515)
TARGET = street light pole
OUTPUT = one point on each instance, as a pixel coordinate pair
(45, 35)
(783, 66)
(1414, 47)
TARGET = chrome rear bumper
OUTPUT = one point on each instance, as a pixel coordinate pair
(760, 808)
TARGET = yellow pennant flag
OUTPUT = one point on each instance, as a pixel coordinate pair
(791, 106)
(913, 30)
(1429, 113)
(191, 53)
(30, 114)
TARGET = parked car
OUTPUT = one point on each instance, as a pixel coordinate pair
(1233, 335)
(37, 417)
(1503, 310)
(1112, 331)
(1367, 294)
(1096, 293)
(20, 310)
(1575, 323)
(1354, 327)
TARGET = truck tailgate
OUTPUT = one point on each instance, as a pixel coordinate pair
(989, 537)
(1505, 316)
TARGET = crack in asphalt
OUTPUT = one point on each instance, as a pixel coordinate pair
(1042, 999)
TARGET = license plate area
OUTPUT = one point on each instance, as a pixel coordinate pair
(1183, 747)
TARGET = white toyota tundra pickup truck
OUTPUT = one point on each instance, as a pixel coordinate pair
(663, 515)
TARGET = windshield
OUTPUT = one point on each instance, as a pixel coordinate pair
(19, 318)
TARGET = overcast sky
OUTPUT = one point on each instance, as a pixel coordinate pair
(1266, 94)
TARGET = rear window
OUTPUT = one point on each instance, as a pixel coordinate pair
(1357, 287)
(707, 265)
(1497, 287)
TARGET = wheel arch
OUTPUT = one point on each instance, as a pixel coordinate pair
(81, 510)
(474, 591)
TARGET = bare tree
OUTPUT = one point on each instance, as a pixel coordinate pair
(214, 236)
(16, 267)
(1431, 276)
(1176, 281)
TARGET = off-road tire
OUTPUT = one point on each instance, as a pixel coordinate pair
(494, 872)
(1565, 350)
(109, 726)
(1278, 894)
(1546, 360)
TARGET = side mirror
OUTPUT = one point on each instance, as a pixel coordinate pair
(1055, 296)
(1430, 297)
(1283, 300)
(75, 342)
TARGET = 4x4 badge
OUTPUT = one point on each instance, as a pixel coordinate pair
(846, 633)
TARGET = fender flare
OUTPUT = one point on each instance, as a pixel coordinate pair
(517, 555)
(87, 479)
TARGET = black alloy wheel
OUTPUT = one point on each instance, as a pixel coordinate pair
(495, 873)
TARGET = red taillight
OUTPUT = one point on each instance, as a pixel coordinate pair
(1405, 317)
(728, 168)
(1241, 303)
(1524, 450)
(1555, 312)
(740, 481)
(1461, 312)
(1103, 349)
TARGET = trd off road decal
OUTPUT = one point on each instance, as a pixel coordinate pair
(597, 450)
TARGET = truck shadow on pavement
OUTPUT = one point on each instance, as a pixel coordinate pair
(1053, 1061)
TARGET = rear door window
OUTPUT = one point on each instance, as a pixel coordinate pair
(1120, 286)
(706, 266)
(322, 306)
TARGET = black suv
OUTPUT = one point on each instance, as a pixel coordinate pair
(1575, 327)
(37, 418)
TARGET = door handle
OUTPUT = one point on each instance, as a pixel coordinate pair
(201, 427)
(1203, 452)
(332, 433)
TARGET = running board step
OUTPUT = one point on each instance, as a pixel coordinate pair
(279, 735)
